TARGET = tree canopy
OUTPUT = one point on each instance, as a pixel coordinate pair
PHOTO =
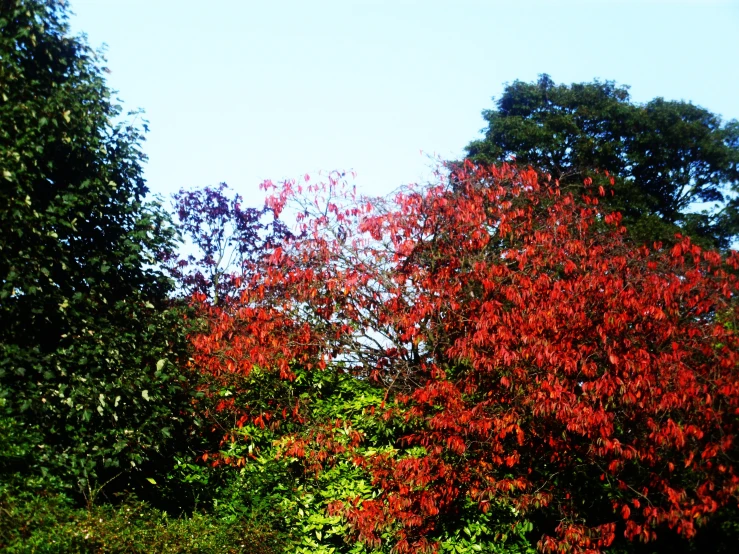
(86, 341)
(533, 360)
(676, 164)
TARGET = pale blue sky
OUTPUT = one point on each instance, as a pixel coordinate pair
(241, 91)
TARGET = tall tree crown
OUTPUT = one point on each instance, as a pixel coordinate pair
(82, 341)
(675, 162)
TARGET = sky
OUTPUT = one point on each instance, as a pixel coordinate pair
(240, 91)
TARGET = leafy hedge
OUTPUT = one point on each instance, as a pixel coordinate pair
(51, 524)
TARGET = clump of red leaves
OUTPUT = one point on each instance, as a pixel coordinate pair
(541, 359)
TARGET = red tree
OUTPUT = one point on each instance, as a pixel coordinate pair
(539, 358)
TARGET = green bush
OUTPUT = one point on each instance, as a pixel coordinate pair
(292, 494)
(49, 524)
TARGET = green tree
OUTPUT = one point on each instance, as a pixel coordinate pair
(90, 390)
(675, 163)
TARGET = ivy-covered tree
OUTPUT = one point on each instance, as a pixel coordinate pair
(89, 389)
(675, 163)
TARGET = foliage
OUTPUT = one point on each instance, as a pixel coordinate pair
(287, 479)
(294, 473)
(51, 524)
(483, 365)
(225, 235)
(667, 155)
(293, 432)
(89, 350)
(532, 361)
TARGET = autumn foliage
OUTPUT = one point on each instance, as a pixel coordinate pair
(530, 355)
